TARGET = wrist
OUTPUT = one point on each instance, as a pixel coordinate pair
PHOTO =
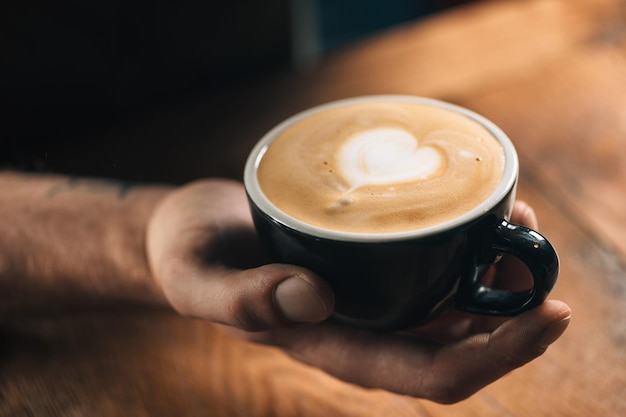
(67, 242)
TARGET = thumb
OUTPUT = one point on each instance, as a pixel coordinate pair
(262, 298)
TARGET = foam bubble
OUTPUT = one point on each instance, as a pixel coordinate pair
(386, 156)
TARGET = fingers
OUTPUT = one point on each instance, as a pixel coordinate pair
(524, 215)
(463, 368)
(410, 366)
(255, 299)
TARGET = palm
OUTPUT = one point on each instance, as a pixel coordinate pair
(205, 254)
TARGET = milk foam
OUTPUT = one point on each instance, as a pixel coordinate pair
(381, 167)
(385, 156)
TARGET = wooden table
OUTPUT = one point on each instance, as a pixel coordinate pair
(551, 73)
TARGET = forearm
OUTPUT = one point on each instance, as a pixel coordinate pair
(66, 242)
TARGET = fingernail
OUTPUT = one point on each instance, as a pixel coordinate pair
(553, 331)
(299, 302)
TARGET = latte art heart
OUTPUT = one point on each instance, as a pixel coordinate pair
(384, 156)
(380, 167)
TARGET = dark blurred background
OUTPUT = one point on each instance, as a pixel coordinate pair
(71, 69)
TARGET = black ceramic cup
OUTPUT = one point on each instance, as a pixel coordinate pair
(395, 281)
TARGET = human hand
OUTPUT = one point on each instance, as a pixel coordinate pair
(203, 250)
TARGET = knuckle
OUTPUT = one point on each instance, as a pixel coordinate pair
(245, 316)
(251, 306)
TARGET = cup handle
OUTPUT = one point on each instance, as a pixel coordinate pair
(528, 246)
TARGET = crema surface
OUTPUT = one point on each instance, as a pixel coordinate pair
(381, 167)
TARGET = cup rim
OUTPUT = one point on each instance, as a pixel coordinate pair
(256, 195)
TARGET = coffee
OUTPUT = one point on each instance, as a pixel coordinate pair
(381, 167)
(401, 203)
